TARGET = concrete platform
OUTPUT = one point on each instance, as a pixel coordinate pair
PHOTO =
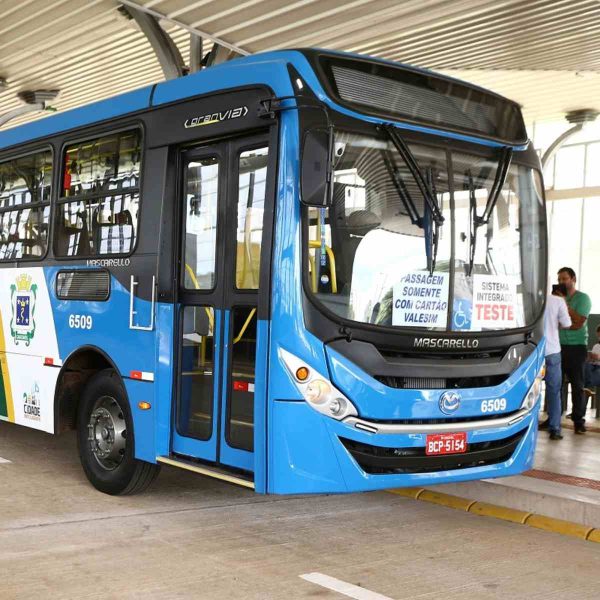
(193, 537)
(565, 483)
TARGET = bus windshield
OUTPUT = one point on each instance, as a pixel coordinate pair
(378, 254)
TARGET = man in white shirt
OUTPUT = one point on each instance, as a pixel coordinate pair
(555, 318)
(592, 367)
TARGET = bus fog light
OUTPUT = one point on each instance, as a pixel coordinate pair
(337, 406)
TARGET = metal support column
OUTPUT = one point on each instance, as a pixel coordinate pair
(35, 100)
(579, 118)
(21, 110)
(164, 47)
(166, 51)
(219, 54)
(196, 50)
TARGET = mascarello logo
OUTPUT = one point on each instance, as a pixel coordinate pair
(23, 296)
(449, 402)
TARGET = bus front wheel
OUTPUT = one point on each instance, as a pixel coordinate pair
(105, 438)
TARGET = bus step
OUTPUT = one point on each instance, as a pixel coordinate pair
(207, 470)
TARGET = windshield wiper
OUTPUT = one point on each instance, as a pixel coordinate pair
(433, 236)
(402, 190)
(429, 227)
(476, 220)
(415, 171)
(426, 185)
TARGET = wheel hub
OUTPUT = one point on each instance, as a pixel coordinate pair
(107, 433)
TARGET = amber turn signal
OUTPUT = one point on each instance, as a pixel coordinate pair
(302, 374)
(144, 405)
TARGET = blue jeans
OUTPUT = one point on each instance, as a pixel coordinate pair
(592, 375)
(553, 384)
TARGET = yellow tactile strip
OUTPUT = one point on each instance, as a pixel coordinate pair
(500, 512)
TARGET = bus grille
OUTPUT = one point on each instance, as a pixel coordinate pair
(440, 383)
(376, 460)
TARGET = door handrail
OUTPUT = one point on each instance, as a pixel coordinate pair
(244, 326)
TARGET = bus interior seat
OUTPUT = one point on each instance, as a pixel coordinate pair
(75, 240)
(119, 230)
(196, 324)
(348, 233)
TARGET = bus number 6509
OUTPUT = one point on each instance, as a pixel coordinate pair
(80, 321)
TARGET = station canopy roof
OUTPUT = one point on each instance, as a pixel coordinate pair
(544, 54)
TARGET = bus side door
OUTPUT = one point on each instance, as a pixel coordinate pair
(226, 216)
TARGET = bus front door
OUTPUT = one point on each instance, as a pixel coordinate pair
(224, 188)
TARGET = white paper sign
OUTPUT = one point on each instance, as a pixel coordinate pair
(494, 302)
(421, 300)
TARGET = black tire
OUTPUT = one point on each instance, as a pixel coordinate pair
(106, 441)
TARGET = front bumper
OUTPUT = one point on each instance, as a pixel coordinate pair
(316, 454)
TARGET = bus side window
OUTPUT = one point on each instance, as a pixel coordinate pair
(25, 206)
(98, 210)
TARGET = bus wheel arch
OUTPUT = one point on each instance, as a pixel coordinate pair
(77, 370)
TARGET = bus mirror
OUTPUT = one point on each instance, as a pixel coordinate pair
(315, 181)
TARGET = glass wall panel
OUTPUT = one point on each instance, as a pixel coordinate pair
(592, 165)
(590, 255)
(564, 234)
(568, 172)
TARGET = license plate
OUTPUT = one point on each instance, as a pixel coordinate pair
(446, 443)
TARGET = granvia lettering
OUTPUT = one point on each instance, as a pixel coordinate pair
(216, 117)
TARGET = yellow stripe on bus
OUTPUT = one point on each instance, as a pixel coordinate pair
(10, 408)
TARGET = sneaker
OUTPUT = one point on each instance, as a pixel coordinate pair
(544, 424)
(580, 429)
(555, 435)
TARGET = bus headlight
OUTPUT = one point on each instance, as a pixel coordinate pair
(317, 390)
(535, 390)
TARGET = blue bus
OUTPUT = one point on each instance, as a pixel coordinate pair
(301, 271)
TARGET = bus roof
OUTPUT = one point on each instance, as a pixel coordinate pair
(270, 68)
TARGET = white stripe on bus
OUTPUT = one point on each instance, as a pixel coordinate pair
(141, 375)
(348, 589)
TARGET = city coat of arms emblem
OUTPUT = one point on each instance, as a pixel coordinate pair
(23, 296)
